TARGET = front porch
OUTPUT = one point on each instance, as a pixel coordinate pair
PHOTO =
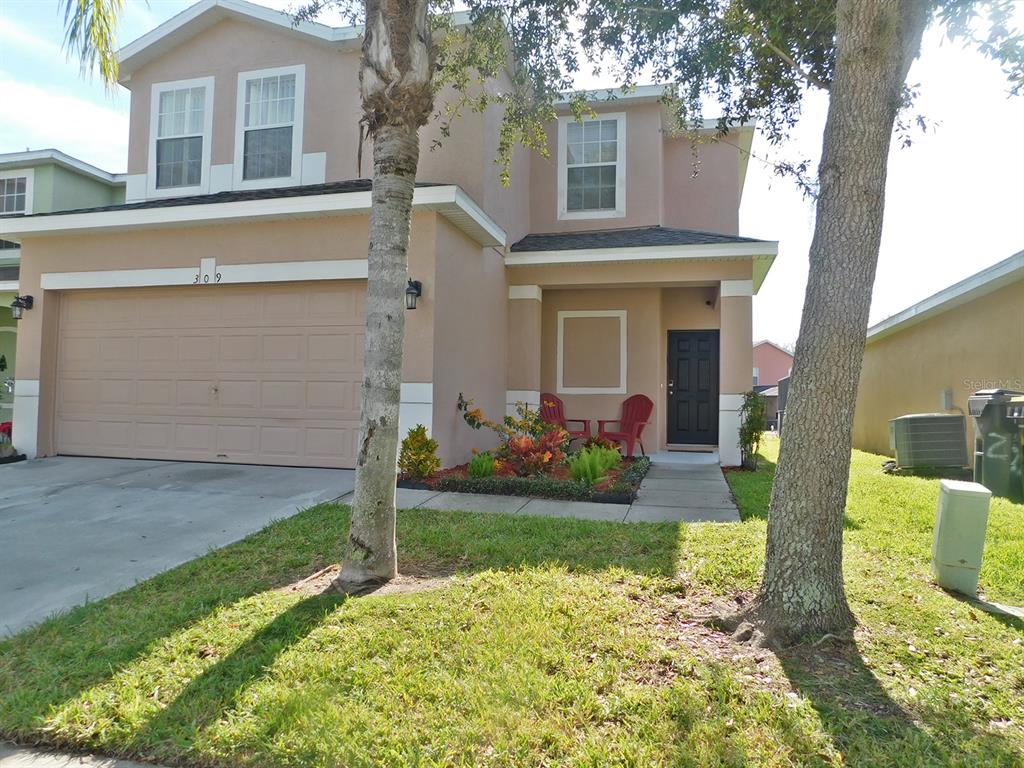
(597, 317)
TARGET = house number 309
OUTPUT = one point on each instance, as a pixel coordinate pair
(204, 279)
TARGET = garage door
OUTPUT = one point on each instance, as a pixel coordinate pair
(265, 374)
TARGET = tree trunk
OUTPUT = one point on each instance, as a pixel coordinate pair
(802, 591)
(395, 80)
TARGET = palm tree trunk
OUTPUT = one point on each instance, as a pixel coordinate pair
(802, 591)
(396, 86)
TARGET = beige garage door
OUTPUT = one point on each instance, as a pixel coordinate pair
(261, 374)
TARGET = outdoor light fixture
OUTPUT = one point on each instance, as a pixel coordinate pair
(19, 305)
(412, 293)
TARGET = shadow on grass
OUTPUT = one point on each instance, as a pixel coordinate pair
(53, 663)
(872, 729)
(217, 689)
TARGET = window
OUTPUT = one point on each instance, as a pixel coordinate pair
(181, 115)
(756, 375)
(16, 191)
(268, 140)
(591, 167)
(590, 357)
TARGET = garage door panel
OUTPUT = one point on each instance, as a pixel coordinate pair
(256, 374)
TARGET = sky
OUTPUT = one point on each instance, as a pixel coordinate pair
(954, 199)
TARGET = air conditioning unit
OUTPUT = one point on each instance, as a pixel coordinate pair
(929, 440)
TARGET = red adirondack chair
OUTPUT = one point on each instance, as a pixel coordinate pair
(636, 410)
(552, 410)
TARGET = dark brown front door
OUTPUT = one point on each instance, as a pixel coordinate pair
(693, 387)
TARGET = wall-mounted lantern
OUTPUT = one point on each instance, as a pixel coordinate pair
(19, 305)
(412, 293)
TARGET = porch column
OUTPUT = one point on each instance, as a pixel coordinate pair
(736, 364)
(524, 322)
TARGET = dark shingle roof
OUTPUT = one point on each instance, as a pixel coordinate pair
(631, 237)
(331, 188)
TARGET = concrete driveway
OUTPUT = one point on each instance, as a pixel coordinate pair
(78, 529)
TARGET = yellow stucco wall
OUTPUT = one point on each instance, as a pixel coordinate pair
(978, 345)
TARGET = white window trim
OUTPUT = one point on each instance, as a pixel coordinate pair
(154, 117)
(29, 174)
(240, 182)
(620, 170)
(559, 372)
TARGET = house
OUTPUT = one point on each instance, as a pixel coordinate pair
(940, 351)
(39, 181)
(771, 363)
(218, 314)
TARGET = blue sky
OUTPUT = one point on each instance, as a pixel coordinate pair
(954, 201)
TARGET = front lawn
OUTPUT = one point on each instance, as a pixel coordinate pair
(537, 642)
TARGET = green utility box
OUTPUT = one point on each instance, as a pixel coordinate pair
(999, 441)
(960, 535)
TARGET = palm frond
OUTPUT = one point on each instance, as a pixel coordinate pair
(90, 34)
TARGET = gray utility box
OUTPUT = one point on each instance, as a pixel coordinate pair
(929, 440)
(960, 535)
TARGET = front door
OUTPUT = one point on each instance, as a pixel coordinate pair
(693, 387)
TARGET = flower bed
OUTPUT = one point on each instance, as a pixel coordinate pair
(533, 458)
(617, 487)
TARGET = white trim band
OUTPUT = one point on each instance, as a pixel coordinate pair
(525, 292)
(448, 200)
(25, 435)
(513, 397)
(736, 288)
(208, 274)
(416, 406)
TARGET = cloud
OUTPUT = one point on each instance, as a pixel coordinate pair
(44, 118)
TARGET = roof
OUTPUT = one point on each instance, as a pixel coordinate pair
(772, 391)
(340, 198)
(35, 157)
(640, 244)
(977, 285)
(205, 13)
(334, 187)
(624, 238)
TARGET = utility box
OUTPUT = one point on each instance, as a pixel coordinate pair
(999, 445)
(960, 535)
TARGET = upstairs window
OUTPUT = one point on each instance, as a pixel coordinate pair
(268, 141)
(180, 147)
(13, 194)
(591, 167)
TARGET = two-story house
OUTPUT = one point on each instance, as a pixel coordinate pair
(39, 181)
(218, 314)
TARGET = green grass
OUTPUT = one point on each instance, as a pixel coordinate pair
(558, 642)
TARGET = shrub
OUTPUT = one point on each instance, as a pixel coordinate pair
(596, 441)
(418, 458)
(592, 464)
(630, 478)
(538, 485)
(753, 423)
(529, 455)
(481, 465)
(529, 444)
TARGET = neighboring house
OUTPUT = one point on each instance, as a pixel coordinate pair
(31, 182)
(967, 337)
(218, 315)
(771, 363)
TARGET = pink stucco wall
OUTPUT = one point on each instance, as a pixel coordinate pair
(772, 363)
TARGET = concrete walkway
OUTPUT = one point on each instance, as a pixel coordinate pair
(23, 757)
(679, 487)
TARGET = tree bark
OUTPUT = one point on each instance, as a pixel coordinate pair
(397, 94)
(802, 590)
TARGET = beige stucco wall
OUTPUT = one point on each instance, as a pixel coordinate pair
(249, 243)
(643, 175)
(701, 185)
(469, 340)
(978, 345)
